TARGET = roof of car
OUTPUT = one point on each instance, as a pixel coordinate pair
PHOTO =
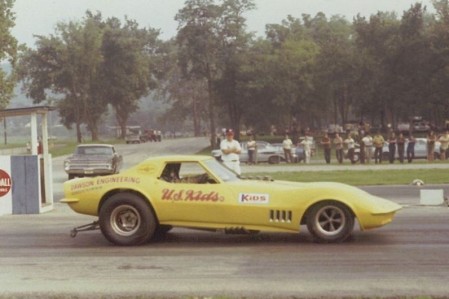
(95, 145)
(154, 164)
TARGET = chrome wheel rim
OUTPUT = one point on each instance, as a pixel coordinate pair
(330, 220)
(125, 220)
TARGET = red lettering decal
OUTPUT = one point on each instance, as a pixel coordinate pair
(190, 195)
(167, 194)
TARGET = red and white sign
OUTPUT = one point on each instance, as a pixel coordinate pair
(5, 186)
(5, 183)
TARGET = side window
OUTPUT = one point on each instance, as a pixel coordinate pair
(186, 173)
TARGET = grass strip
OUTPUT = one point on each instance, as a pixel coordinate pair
(364, 177)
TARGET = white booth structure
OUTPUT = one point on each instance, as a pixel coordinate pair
(26, 181)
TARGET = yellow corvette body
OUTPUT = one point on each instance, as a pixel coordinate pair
(199, 192)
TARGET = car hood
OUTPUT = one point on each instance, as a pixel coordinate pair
(285, 191)
(268, 184)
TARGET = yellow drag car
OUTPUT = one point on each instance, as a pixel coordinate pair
(147, 200)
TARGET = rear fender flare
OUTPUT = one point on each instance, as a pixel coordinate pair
(107, 195)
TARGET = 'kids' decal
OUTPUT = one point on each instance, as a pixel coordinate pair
(254, 198)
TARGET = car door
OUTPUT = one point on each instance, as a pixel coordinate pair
(191, 194)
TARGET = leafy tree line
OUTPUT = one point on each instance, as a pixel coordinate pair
(305, 72)
(8, 51)
(86, 66)
(314, 70)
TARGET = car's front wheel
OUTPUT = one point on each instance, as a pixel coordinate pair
(274, 160)
(125, 219)
(330, 222)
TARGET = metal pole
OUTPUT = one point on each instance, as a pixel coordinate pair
(4, 131)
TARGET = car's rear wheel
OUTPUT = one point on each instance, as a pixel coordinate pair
(125, 219)
(330, 222)
(274, 160)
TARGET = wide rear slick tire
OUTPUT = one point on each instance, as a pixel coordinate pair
(127, 220)
(330, 222)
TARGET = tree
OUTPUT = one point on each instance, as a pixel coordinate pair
(377, 41)
(439, 67)
(290, 72)
(8, 51)
(91, 64)
(257, 90)
(66, 66)
(234, 41)
(187, 98)
(130, 67)
(413, 53)
(198, 42)
(336, 66)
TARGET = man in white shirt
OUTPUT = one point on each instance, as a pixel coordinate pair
(287, 146)
(350, 143)
(307, 145)
(368, 141)
(230, 150)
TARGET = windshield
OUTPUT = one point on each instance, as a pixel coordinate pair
(221, 171)
(94, 150)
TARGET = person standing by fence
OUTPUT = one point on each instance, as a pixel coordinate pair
(368, 143)
(350, 143)
(307, 146)
(391, 147)
(251, 146)
(378, 142)
(231, 150)
(431, 138)
(444, 145)
(287, 146)
(338, 141)
(401, 147)
(411, 148)
(326, 144)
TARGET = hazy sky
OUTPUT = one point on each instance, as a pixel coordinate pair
(39, 17)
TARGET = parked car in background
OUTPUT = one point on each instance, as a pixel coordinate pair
(93, 160)
(404, 127)
(133, 138)
(420, 125)
(420, 149)
(334, 128)
(266, 152)
(298, 152)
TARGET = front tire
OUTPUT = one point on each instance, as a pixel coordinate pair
(126, 220)
(330, 222)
